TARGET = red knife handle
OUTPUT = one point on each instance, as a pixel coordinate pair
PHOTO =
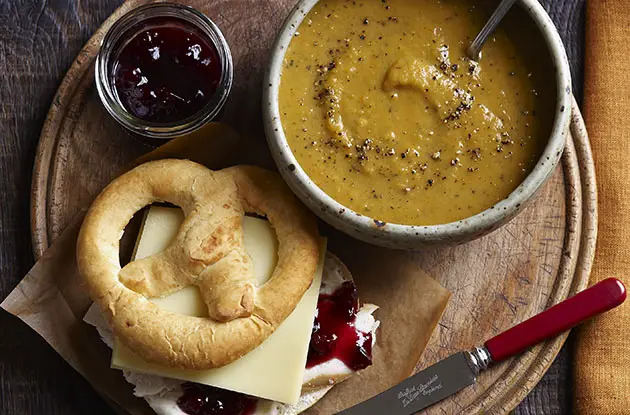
(601, 297)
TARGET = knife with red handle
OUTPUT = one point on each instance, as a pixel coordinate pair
(461, 369)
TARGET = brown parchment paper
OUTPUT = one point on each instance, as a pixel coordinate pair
(51, 300)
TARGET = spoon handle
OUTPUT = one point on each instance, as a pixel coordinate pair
(498, 14)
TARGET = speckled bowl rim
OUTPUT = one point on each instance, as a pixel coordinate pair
(410, 236)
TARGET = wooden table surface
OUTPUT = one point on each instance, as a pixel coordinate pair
(39, 39)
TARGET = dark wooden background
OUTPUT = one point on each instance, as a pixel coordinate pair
(38, 42)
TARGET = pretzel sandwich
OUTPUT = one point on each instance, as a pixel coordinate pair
(208, 251)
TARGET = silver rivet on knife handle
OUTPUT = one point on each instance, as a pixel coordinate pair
(479, 359)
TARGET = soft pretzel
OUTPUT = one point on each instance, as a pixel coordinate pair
(207, 251)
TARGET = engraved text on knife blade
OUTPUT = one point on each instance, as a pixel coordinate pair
(410, 394)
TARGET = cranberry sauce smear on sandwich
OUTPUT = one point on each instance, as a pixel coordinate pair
(334, 334)
(207, 400)
(334, 337)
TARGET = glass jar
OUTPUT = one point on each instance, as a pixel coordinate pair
(143, 19)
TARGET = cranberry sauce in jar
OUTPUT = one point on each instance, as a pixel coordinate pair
(164, 70)
(334, 334)
(167, 72)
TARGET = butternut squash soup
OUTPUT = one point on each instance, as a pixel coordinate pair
(387, 115)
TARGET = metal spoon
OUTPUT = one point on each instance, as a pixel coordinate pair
(474, 49)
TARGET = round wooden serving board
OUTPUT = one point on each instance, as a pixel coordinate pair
(541, 257)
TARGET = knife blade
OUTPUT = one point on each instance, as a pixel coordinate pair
(422, 389)
(460, 370)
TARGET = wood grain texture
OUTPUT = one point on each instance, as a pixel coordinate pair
(38, 41)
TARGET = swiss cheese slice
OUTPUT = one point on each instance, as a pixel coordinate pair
(275, 369)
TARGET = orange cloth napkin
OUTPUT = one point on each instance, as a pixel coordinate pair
(602, 356)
